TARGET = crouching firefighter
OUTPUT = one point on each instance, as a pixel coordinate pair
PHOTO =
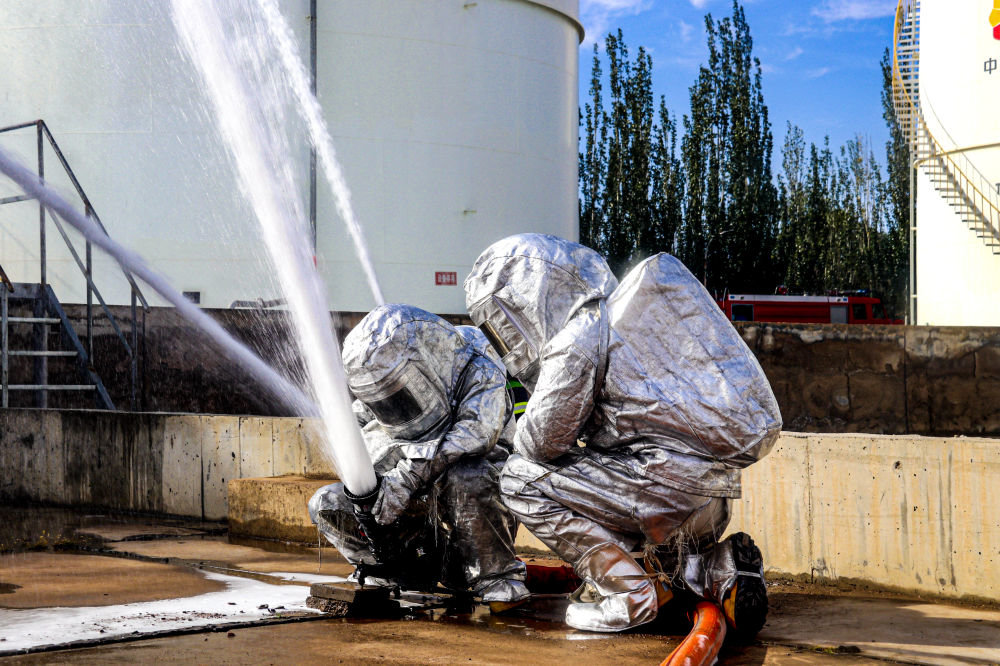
(433, 410)
(670, 405)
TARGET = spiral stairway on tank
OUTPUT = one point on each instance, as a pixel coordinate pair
(954, 177)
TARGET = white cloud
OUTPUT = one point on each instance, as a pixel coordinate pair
(596, 16)
(686, 31)
(685, 63)
(817, 73)
(700, 4)
(840, 10)
(610, 5)
(794, 53)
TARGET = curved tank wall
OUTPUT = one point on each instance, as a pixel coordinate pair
(455, 122)
(958, 276)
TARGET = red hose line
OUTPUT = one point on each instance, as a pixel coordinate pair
(702, 644)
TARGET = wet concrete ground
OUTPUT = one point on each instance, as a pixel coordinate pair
(110, 589)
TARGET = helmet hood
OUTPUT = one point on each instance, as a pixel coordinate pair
(403, 363)
(523, 289)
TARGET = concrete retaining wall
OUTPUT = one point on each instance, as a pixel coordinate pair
(166, 463)
(882, 379)
(180, 371)
(917, 513)
(273, 508)
(827, 378)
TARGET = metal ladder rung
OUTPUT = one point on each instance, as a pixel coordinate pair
(51, 387)
(16, 199)
(42, 353)
(33, 320)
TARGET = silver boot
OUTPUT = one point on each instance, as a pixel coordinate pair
(616, 593)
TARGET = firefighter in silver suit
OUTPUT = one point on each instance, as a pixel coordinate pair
(432, 410)
(644, 406)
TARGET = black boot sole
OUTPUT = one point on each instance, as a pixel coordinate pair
(750, 608)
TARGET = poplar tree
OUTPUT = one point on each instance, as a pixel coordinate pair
(897, 152)
(792, 183)
(730, 204)
(667, 188)
(706, 193)
(629, 174)
(592, 162)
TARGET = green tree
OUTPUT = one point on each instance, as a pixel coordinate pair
(834, 233)
(707, 194)
(792, 184)
(667, 188)
(629, 174)
(815, 233)
(730, 203)
(897, 253)
(593, 161)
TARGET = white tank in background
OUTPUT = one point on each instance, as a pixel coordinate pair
(958, 273)
(455, 123)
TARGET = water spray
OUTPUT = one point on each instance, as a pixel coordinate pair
(312, 113)
(263, 165)
(289, 394)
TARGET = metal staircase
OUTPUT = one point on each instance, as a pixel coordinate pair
(950, 171)
(44, 315)
(35, 328)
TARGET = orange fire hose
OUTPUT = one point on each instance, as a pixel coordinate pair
(702, 644)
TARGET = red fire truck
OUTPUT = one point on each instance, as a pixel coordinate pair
(844, 308)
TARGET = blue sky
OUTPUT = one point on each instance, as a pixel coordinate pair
(820, 58)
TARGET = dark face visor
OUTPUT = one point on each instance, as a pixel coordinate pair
(494, 339)
(400, 407)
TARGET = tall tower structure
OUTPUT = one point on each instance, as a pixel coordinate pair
(946, 87)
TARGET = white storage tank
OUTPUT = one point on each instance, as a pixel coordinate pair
(958, 274)
(455, 123)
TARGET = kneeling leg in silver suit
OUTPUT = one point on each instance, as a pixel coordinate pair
(590, 509)
(480, 545)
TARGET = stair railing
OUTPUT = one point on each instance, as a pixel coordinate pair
(132, 349)
(976, 192)
(978, 203)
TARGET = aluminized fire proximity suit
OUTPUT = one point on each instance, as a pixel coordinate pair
(667, 398)
(432, 410)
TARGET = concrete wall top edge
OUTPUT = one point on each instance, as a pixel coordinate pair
(887, 438)
(785, 434)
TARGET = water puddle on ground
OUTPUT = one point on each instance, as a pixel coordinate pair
(27, 528)
(70, 578)
(242, 601)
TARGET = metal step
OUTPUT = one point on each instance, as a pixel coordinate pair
(42, 353)
(16, 199)
(33, 320)
(51, 387)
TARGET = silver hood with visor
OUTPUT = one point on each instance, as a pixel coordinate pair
(523, 289)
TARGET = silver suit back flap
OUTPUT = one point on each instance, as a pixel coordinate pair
(709, 392)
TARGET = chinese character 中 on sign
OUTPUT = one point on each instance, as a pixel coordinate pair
(445, 278)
